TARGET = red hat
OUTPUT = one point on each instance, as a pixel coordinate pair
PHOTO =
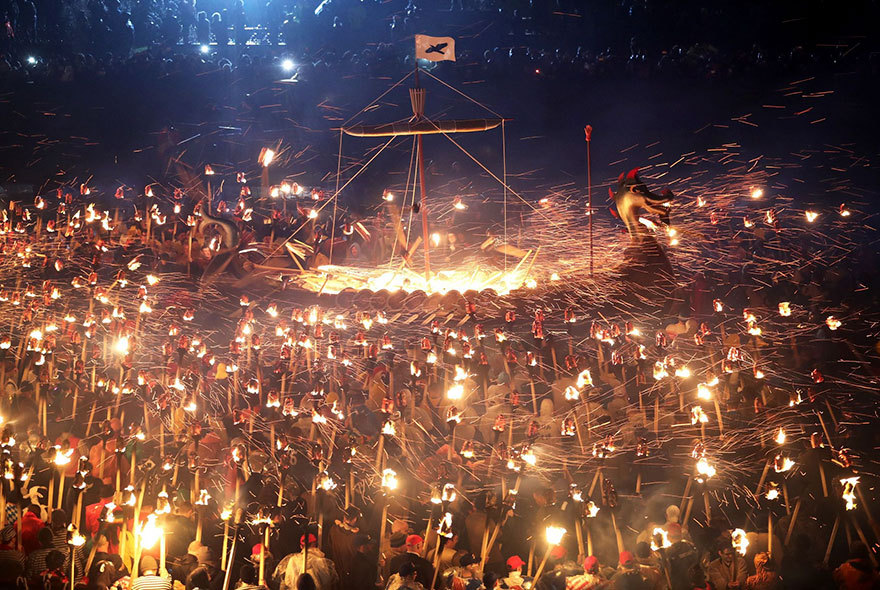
(413, 540)
(515, 562)
(626, 558)
(257, 548)
(558, 552)
(312, 539)
(591, 563)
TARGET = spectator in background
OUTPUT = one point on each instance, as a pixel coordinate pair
(765, 577)
(363, 569)
(203, 29)
(170, 30)
(219, 30)
(238, 22)
(728, 571)
(36, 561)
(54, 576)
(149, 578)
(30, 528)
(857, 573)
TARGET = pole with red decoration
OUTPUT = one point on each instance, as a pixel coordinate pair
(588, 133)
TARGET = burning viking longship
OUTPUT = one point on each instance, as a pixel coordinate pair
(412, 267)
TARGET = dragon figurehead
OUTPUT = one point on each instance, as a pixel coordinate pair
(229, 234)
(632, 198)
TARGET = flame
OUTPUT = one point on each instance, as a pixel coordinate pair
(705, 470)
(326, 483)
(266, 156)
(388, 429)
(584, 379)
(121, 346)
(554, 535)
(455, 392)
(697, 415)
(780, 436)
(389, 479)
(782, 464)
(592, 509)
(149, 532)
(832, 322)
(703, 392)
(740, 541)
(811, 216)
(849, 491)
(75, 538)
(663, 537)
(204, 496)
(660, 371)
(784, 309)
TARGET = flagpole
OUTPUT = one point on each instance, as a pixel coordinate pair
(417, 97)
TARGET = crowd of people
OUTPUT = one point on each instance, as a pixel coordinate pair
(247, 484)
(552, 38)
(170, 421)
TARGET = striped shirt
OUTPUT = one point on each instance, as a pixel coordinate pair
(36, 563)
(151, 582)
(59, 542)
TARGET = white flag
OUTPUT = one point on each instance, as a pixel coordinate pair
(435, 48)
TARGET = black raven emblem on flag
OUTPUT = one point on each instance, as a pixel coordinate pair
(438, 48)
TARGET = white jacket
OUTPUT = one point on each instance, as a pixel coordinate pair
(319, 567)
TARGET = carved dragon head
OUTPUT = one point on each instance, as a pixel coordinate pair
(633, 197)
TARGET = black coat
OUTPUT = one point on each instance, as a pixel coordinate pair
(423, 567)
(363, 573)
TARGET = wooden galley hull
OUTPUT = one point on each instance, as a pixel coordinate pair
(423, 127)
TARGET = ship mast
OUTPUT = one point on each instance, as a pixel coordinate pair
(417, 99)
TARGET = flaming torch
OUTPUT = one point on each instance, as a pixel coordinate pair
(554, 536)
(849, 491)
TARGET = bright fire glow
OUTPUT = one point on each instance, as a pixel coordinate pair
(660, 534)
(740, 541)
(849, 491)
(332, 279)
(554, 535)
(389, 479)
(780, 436)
